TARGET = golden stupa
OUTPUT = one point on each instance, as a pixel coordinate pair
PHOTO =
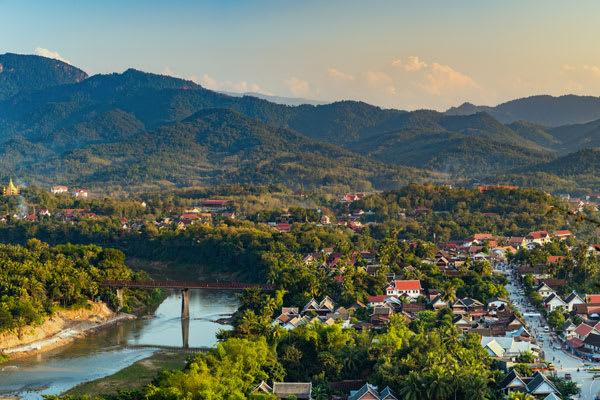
(10, 190)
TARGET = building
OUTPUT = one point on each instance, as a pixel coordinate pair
(10, 190)
(399, 288)
(59, 189)
(370, 392)
(538, 238)
(82, 193)
(283, 390)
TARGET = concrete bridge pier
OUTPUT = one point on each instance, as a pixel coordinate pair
(185, 332)
(120, 297)
(185, 304)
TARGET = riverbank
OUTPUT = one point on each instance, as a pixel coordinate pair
(62, 328)
(135, 376)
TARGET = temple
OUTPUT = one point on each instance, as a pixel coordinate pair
(10, 190)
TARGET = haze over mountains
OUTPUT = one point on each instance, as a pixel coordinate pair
(138, 130)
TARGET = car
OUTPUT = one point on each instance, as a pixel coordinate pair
(557, 347)
(568, 377)
(551, 367)
(596, 376)
(546, 328)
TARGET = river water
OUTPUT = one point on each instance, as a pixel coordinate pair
(106, 352)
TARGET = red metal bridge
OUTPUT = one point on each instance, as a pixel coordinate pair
(184, 286)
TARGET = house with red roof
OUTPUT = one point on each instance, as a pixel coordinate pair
(563, 235)
(592, 298)
(537, 238)
(410, 288)
(284, 227)
(216, 205)
(583, 331)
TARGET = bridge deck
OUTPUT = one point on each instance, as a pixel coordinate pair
(186, 285)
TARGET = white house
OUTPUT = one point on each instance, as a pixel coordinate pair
(573, 299)
(497, 302)
(544, 290)
(398, 288)
(554, 302)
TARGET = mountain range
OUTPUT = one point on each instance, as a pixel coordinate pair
(137, 130)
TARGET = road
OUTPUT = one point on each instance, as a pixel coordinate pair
(563, 361)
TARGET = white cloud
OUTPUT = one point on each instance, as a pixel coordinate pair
(40, 51)
(413, 64)
(298, 87)
(397, 63)
(168, 71)
(594, 70)
(568, 68)
(339, 75)
(378, 78)
(229, 86)
(441, 79)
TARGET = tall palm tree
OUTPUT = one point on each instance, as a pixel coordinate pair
(439, 385)
(448, 294)
(411, 388)
(520, 396)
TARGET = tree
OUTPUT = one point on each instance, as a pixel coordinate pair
(556, 319)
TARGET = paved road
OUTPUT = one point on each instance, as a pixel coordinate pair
(563, 361)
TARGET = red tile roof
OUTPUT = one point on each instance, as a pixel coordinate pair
(563, 233)
(583, 330)
(592, 298)
(378, 299)
(407, 285)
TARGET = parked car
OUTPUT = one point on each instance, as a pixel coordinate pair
(568, 377)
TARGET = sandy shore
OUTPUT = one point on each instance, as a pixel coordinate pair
(64, 327)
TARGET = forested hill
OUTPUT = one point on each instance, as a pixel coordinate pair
(82, 123)
(25, 73)
(543, 110)
(216, 146)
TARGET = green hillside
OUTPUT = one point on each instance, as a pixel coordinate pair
(216, 146)
(27, 73)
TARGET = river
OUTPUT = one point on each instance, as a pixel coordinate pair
(105, 352)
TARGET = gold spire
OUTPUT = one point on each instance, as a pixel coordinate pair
(10, 190)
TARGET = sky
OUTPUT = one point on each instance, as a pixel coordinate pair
(396, 54)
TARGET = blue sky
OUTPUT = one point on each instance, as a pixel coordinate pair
(401, 54)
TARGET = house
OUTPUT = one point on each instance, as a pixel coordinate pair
(370, 392)
(283, 227)
(381, 315)
(583, 331)
(540, 385)
(467, 305)
(302, 390)
(410, 288)
(438, 303)
(555, 259)
(562, 235)
(517, 242)
(513, 382)
(59, 189)
(463, 322)
(592, 298)
(378, 300)
(497, 302)
(568, 329)
(326, 306)
(507, 347)
(544, 290)
(44, 212)
(537, 238)
(81, 193)
(554, 302)
(216, 205)
(573, 299)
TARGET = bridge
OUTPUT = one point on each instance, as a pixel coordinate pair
(183, 286)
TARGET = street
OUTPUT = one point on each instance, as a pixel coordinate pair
(563, 361)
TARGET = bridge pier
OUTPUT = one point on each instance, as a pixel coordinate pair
(120, 297)
(185, 304)
(185, 332)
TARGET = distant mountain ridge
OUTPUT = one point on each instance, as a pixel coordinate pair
(106, 128)
(288, 101)
(27, 72)
(544, 110)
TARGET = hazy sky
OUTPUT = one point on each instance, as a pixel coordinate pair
(400, 54)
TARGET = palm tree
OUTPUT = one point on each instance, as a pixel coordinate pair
(477, 388)
(439, 384)
(411, 388)
(520, 396)
(448, 294)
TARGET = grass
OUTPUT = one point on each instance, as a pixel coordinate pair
(135, 376)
